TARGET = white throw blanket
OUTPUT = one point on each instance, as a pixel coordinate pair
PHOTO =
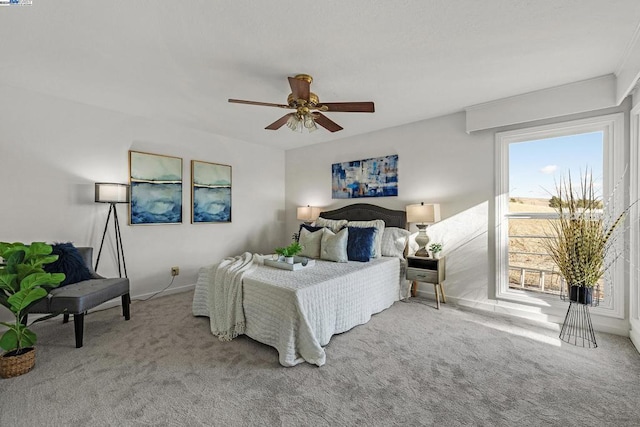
(225, 296)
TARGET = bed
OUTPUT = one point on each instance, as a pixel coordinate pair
(297, 312)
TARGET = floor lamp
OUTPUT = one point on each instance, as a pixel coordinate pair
(112, 193)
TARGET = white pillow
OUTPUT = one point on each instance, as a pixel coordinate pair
(334, 225)
(394, 240)
(379, 225)
(310, 242)
(334, 246)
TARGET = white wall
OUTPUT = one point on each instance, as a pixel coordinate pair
(438, 162)
(53, 151)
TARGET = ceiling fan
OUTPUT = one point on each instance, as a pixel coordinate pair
(308, 108)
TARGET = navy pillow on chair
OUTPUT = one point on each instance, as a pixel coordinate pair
(69, 262)
(360, 243)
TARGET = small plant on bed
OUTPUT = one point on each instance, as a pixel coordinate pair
(290, 251)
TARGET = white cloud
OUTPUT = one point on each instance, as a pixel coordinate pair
(549, 169)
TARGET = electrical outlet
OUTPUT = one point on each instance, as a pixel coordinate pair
(175, 271)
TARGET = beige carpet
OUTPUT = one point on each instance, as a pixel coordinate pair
(410, 365)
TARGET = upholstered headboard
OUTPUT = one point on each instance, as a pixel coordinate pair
(367, 212)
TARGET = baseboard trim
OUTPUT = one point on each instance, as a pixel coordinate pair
(168, 291)
(634, 333)
(600, 324)
(116, 302)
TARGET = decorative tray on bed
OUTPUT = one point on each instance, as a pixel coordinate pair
(298, 263)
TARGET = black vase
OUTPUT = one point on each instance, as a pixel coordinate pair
(581, 294)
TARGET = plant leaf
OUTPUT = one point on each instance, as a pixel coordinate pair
(46, 259)
(56, 279)
(39, 248)
(9, 282)
(21, 300)
(9, 340)
(28, 338)
(13, 257)
(39, 279)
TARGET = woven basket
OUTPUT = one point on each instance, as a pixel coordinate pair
(12, 366)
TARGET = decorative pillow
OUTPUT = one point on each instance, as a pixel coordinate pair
(309, 227)
(310, 242)
(334, 225)
(394, 240)
(360, 243)
(69, 262)
(377, 223)
(334, 245)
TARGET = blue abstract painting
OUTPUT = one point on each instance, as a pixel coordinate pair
(377, 177)
(156, 188)
(210, 192)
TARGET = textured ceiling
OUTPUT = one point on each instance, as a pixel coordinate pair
(180, 61)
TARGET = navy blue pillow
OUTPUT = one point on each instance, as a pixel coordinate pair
(311, 228)
(360, 243)
(69, 262)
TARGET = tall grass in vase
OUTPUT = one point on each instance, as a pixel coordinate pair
(581, 237)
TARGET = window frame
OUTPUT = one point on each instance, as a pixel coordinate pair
(634, 233)
(612, 128)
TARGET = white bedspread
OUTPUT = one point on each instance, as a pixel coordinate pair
(297, 312)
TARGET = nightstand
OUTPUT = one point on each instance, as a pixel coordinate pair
(430, 270)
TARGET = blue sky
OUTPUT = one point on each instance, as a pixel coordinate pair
(536, 166)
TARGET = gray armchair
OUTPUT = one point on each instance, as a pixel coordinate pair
(78, 298)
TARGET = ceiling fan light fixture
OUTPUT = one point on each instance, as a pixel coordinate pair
(310, 123)
(308, 110)
(295, 123)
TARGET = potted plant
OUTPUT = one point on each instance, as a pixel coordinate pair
(581, 237)
(435, 249)
(23, 282)
(289, 252)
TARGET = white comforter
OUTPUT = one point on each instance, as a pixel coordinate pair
(297, 312)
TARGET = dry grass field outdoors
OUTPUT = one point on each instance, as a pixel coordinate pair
(530, 267)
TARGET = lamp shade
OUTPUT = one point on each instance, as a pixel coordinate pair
(424, 214)
(308, 213)
(108, 192)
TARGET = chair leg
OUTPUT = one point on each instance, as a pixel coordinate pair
(78, 326)
(65, 318)
(126, 310)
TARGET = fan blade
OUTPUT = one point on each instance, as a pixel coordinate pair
(278, 123)
(299, 88)
(348, 107)
(326, 122)
(266, 104)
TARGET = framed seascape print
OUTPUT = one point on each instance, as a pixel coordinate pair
(377, 177)
(156, 189)
(210, 192)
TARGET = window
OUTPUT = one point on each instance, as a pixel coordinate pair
(528, 161)
(535, 168)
